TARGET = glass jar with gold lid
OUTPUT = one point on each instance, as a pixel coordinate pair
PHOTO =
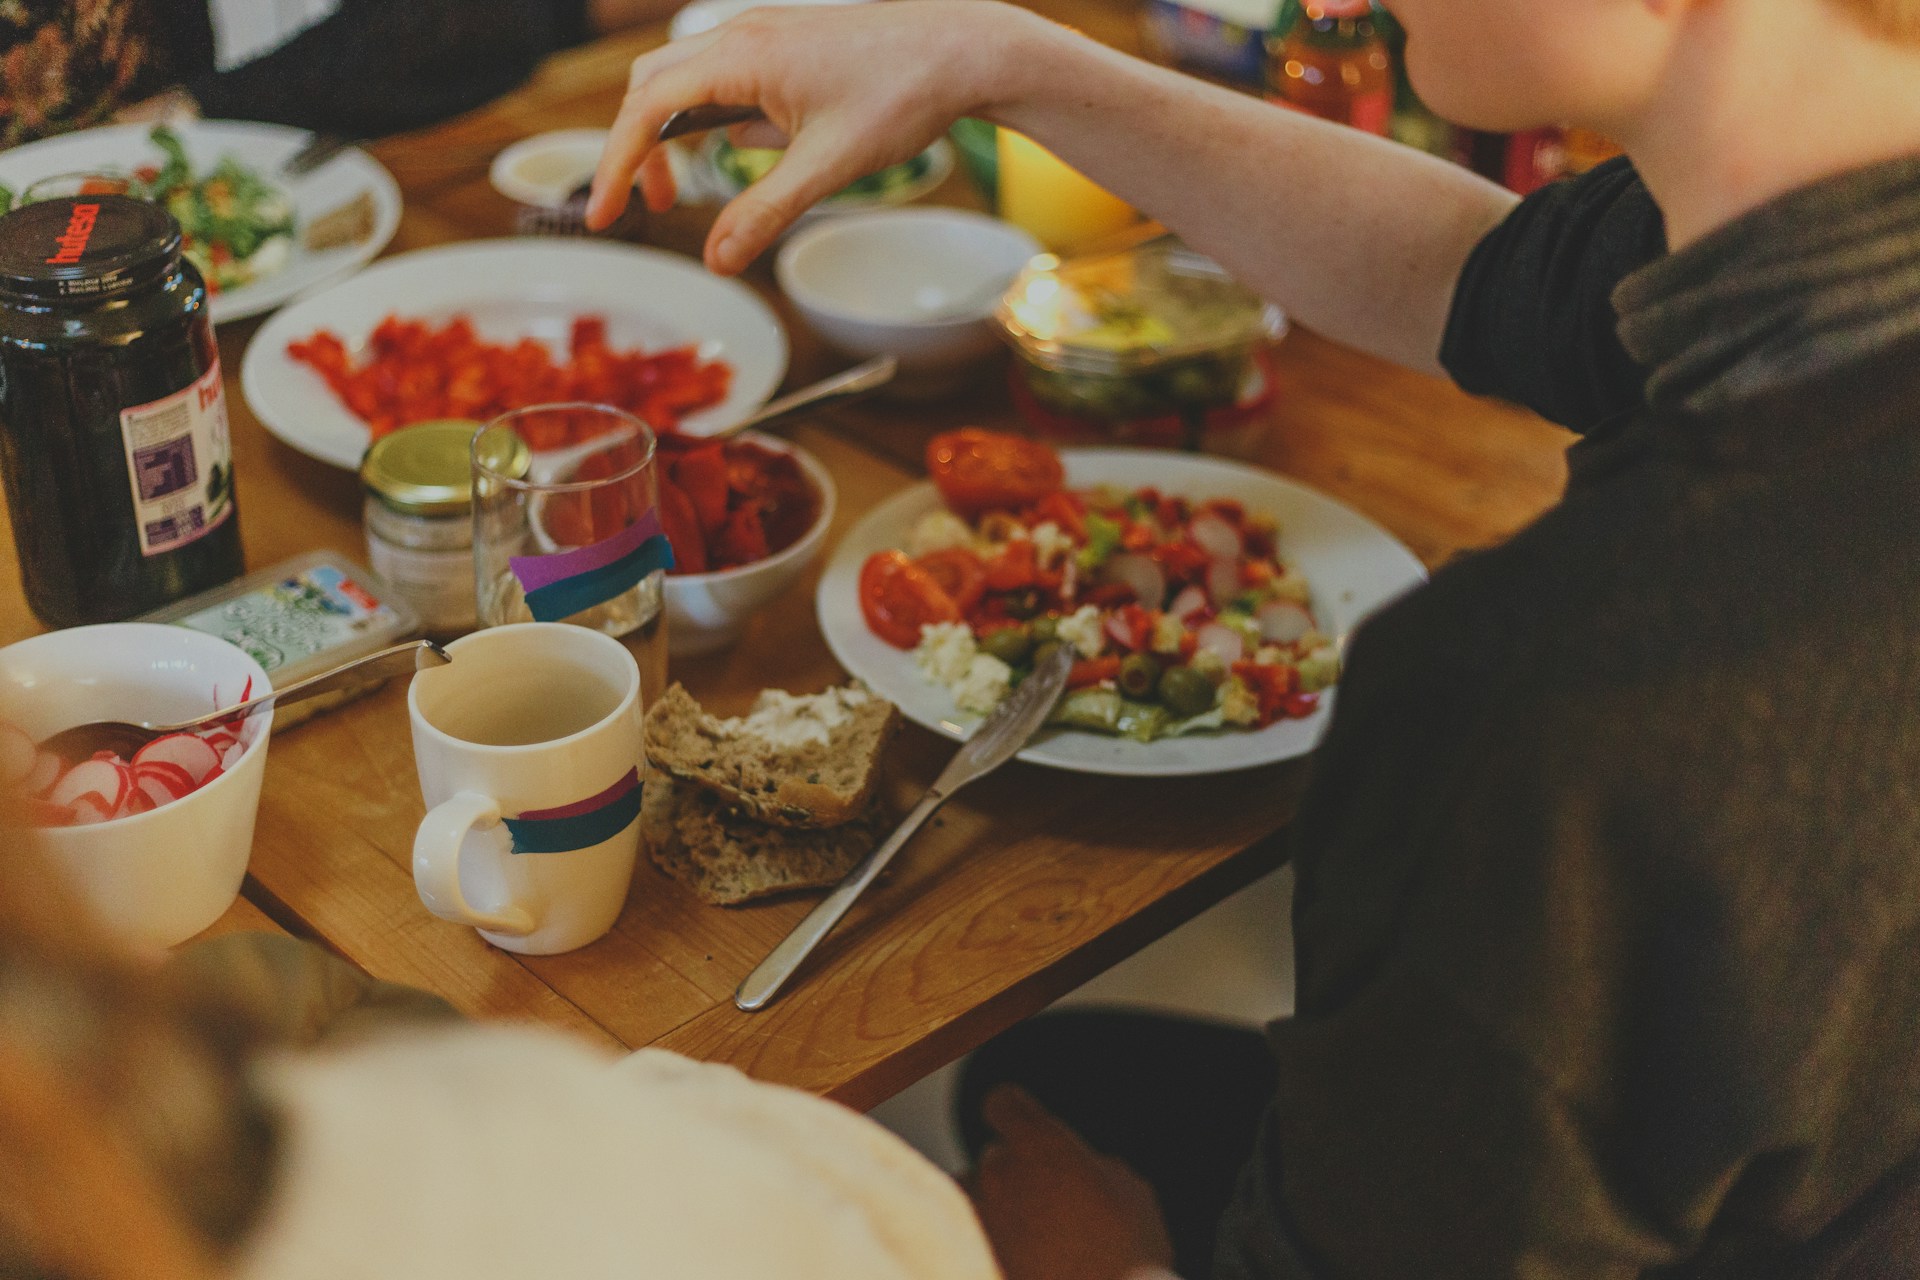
(419, 519)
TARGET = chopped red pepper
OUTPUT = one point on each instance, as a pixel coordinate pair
(1091, 671)
(702, 475)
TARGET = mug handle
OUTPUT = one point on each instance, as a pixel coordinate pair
(436, 864)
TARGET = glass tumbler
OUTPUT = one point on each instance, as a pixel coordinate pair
(566, 527)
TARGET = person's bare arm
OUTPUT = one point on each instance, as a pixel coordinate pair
(1357, 237)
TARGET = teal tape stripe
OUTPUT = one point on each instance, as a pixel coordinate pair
(563, 599)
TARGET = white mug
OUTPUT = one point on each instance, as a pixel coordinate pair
(529, 753)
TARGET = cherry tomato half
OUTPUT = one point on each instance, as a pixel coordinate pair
(960, 573)
(978, 471)
(898, 597)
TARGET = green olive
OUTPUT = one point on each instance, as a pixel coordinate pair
(1042, 654)
(1009, 644)
(1138, 675)
(1045, 628)
(1185, 692)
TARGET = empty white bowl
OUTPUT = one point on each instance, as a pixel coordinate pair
(708, 611)
(154, 878)
(918, 284)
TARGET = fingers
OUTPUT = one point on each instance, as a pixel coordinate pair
(656, 181)
(810, 170)
(652, 95)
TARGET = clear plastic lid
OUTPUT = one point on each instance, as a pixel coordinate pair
(1133, 310)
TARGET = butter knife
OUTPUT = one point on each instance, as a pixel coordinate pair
(1003, 733)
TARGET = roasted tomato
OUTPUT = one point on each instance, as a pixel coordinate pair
(978, 471)
(898, 597)
(960, 573)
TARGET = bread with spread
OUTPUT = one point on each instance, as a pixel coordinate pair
(793, 761)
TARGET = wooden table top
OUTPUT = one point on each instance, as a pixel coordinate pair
(1023, 888)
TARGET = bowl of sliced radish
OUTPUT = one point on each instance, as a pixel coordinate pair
(157, 843)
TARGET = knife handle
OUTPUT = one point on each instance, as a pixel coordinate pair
(765, 982)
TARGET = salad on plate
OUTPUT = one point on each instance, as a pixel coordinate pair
(234, 225)
(1183, 613)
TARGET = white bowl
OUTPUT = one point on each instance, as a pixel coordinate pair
(155, 878)
(543, 170)
(918, 284)
(708, 611)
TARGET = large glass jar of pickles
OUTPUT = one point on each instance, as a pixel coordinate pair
(1153, 345)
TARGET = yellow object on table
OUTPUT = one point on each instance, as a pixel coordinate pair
(1061, 207)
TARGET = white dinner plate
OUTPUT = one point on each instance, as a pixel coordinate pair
(513, 289)
(1353, 564)
(262, 147)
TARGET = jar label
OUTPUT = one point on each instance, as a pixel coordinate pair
(180, 462)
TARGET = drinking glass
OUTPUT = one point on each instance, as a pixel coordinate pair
(566, 527)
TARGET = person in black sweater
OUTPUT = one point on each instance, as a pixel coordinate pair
(1608, 877)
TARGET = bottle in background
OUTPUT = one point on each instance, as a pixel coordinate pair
(1332, 61)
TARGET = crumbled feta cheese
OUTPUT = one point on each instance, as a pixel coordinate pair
(1050, 543)
(986, 682)
(1168, 633)
(938, 531)
(794, 720)
(1238, 703)
(1083, 631)
(1210, 664)
(946, 649)
(1270, 655)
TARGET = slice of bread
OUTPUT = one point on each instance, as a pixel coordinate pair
(728, 859)
(807, 761)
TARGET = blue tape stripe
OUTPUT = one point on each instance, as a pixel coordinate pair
(561, 600)
(580, 831)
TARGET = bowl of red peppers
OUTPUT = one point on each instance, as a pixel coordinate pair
(747, 517)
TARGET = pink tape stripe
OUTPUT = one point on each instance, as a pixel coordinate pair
(535, 572)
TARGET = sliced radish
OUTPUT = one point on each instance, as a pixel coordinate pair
(231, 756)
(171, 776)
(1283, 621)
(1219, 539)
(89, 809)
(1118, 631)
(156, 791)
(1189, 602)
(212, 775)
(1223, 582)
(91, 779)
(47, 768)
(1141, 574)
(137, 801)
(1221, 640)
(181, 749)
(18, 755)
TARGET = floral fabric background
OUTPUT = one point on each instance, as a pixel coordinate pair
(66, 64)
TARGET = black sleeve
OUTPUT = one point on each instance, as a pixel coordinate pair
(378, 67)
(1532, 320)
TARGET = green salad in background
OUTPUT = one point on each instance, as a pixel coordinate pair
(235, 226)
(744, 166)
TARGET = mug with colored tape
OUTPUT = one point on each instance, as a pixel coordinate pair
(529, 753)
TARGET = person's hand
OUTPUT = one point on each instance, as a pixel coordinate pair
(1054, 1208)
(853, 89)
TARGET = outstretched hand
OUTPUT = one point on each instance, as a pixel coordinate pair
(1054, 1208)
(852, 89)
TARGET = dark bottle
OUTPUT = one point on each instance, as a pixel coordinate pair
(113, 423)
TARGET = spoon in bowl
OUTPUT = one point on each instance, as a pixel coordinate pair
(125, 738)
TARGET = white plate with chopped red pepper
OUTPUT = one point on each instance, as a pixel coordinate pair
(1208, 601)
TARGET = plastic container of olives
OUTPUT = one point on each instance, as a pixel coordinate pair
(1153, 345)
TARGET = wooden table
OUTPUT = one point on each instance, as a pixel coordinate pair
(1025, 886)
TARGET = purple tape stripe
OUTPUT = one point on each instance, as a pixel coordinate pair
(535, 572)
(578, 807)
